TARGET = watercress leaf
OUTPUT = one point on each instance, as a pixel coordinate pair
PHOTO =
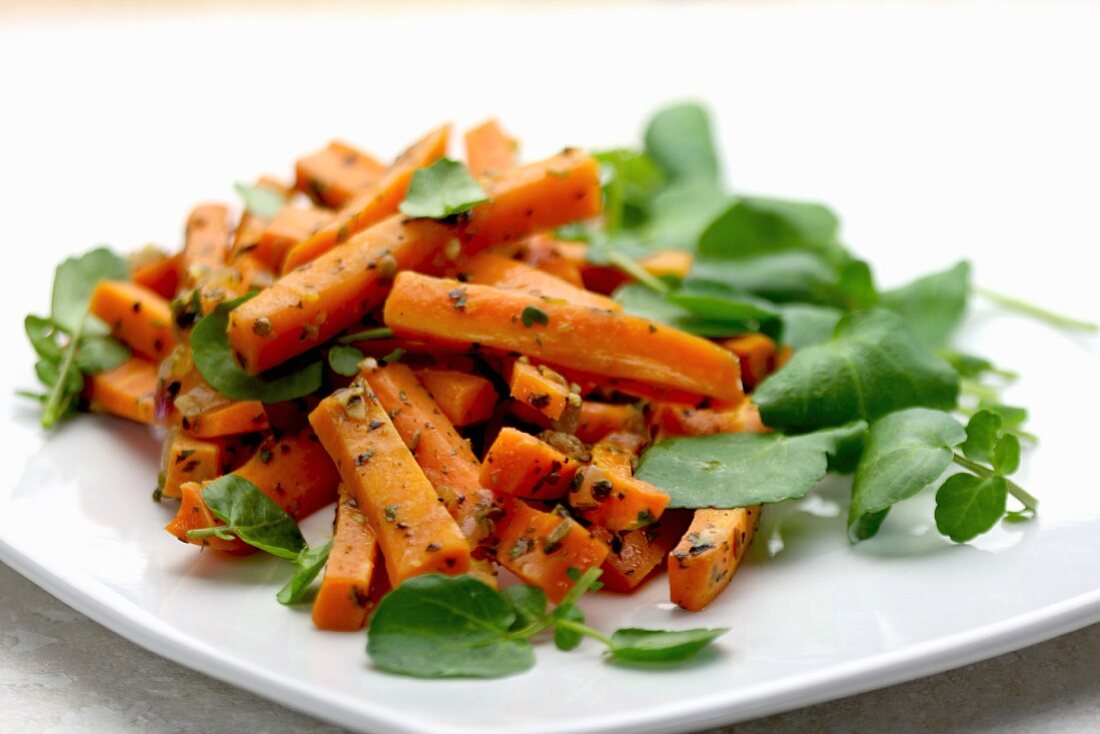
(345, 360)
(49, 374)
(42, 334)
(715, 302)
(215, 362)
(967, 365)
(253, 517)
(679, 140)
(757, 226)
(805, 324)
(436, 626)
(783, 277)
(740, 469)
(310, 562)
(566, 639)
(903, 453)
(967, 506)
(1012, 416)
(76, 278)
(856, 285)
(680, 213)
(442, 190)
(528, 603)
(263, 201)
(641, 301)
(652, 646)
(933, 304)
(1006, 454)
(982, 432)
(99, 354)
(873, 365)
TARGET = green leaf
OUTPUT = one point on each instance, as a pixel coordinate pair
(970, 365)
(872, 366)
(783, 277)
(310, 562)
(652, 646)
(567, 639)
(1012, 416)
(982, 434)
(904, 452)
(740, 469)
(967, 506)
(751, 227)
(99, 354)
(442, 190)
(345, 360)
(528, 603)
(74, 281)
(436, 626)
(215, 362)
(805, 324)
(680, 213)
(933, 304)
(1006, 454)
(856, 286)
(42, 334)
(679, 140)
(714, 302)
(262, 201)
(252, 516)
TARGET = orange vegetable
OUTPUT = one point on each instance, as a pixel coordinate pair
(289, 227)
(542, 388)
(245, 416)
(252, 225)
(704, 561)
(564, 260)
(488, 269)
(608, 343)
(521, 465)
(372, 204)
(636, 554)
(127, 391)
(415, 531)
(489, 150)
(681, 420)
(139, 317)
(599, 419)
(293, 470)
(617, 452)
(335, 174)
(193, 514)
(464, 398)
(676, 263)
(757, 353)
(609, 496)
(206, 242)
(162, 275)
(445, 457)
(541, 547)
(188, 459)
(345, 594)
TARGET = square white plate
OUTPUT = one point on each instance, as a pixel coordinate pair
(937, 132)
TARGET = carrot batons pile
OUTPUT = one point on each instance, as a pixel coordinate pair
(501, 403)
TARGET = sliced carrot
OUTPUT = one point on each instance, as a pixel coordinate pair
(293, 470)
(445, 457)
(599, 419)
(373, 204)
(608, 343)
(193, 514)
(617, 452)
(541, 548)
(416, 533)
(680, 420)
(289, 227)
(636, 554)
(188, 459)
(139, 317)
(464, 398)
(542, 388)
(520, 465)
(608, 495)
(488, 269)
(549, 255)
(489, 150)
(335, 174)
(674, 263)
(757, 353)
(345, 594)
(206, 242)
(162, 276)
(704, 561)
(244, 416)
(127, 391)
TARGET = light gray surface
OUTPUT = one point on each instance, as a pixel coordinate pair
(62, 673)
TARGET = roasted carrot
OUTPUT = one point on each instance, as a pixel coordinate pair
(675, 263)
(561, 259)
(137, 316)
(703, 562)
(671, 419)
(335, 174)
(188, 459)
(206, 242)
(542, 388)
(636, 554)
(373, 204)
(345, 594)
(489, 150)
(757, 353)
(542, 547)
(289, 227)
(618, 452)
(599, 419)
(245, 416)
(293, 470)
(488, 269)
(416, 533)
(127, 391)
(160, 275)
(464, 398)
(193, 514)
(609, 495)
(520, 465)
(608, 343)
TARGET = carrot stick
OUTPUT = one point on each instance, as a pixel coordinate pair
(244, 416)
(636, 554)
(488, 269)
(671, 419)
(206, 242)
(289, 227)
(193, 514)
(520, 465)
(162, 276)
(344, 596)
(373, 204)
(757, 353)
(597, 420)
(542, 388)
(464, 398)
(333, 175)
(139, 317)
(415, 532)
(676, 263)
(489, 150)
(127, 391)
(565, 260)
(704, 561)
(188, 459)
(293, 470)
(608, 494)
(607, 343)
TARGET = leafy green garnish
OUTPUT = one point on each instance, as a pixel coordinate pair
(805, 324)
(263, 201)
(215, 362)
(741, 469)
(933, 304)
(310, 562)
(251, 516)
(442, 190)
(649, 646)
(760, 226)
(679, 140)
(345, 360)
(967, 506)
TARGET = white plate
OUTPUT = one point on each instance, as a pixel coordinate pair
(928, 148)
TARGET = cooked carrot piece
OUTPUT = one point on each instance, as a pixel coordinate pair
(464, 398)
(127, 391)
(335, 174)
(541, 547)
(373, 204)
(489, 150)
(344, 596)
(597, 420)
(608, 343)
(521, 465)
(289, 227)
(416, 533)
(252, 225)
(680, 420)
(488, 269)
(546, 254)
(757, 353)
(244, 416)
(542, 388)
(609, 495)
(445, 457)
(676, 263)
(139, 317)
(293, 470)
(703, 562)
(617, 452)
(206, 241)
(193, 514)
(636, 554)
(188, 459)
(162, 275)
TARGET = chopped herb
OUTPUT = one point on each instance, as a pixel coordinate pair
(442, 190)
(532, 315)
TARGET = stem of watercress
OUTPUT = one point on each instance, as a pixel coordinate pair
(1037, 312)
(52, 411)
(636, 271)
(1026, 498)
(584, 629)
